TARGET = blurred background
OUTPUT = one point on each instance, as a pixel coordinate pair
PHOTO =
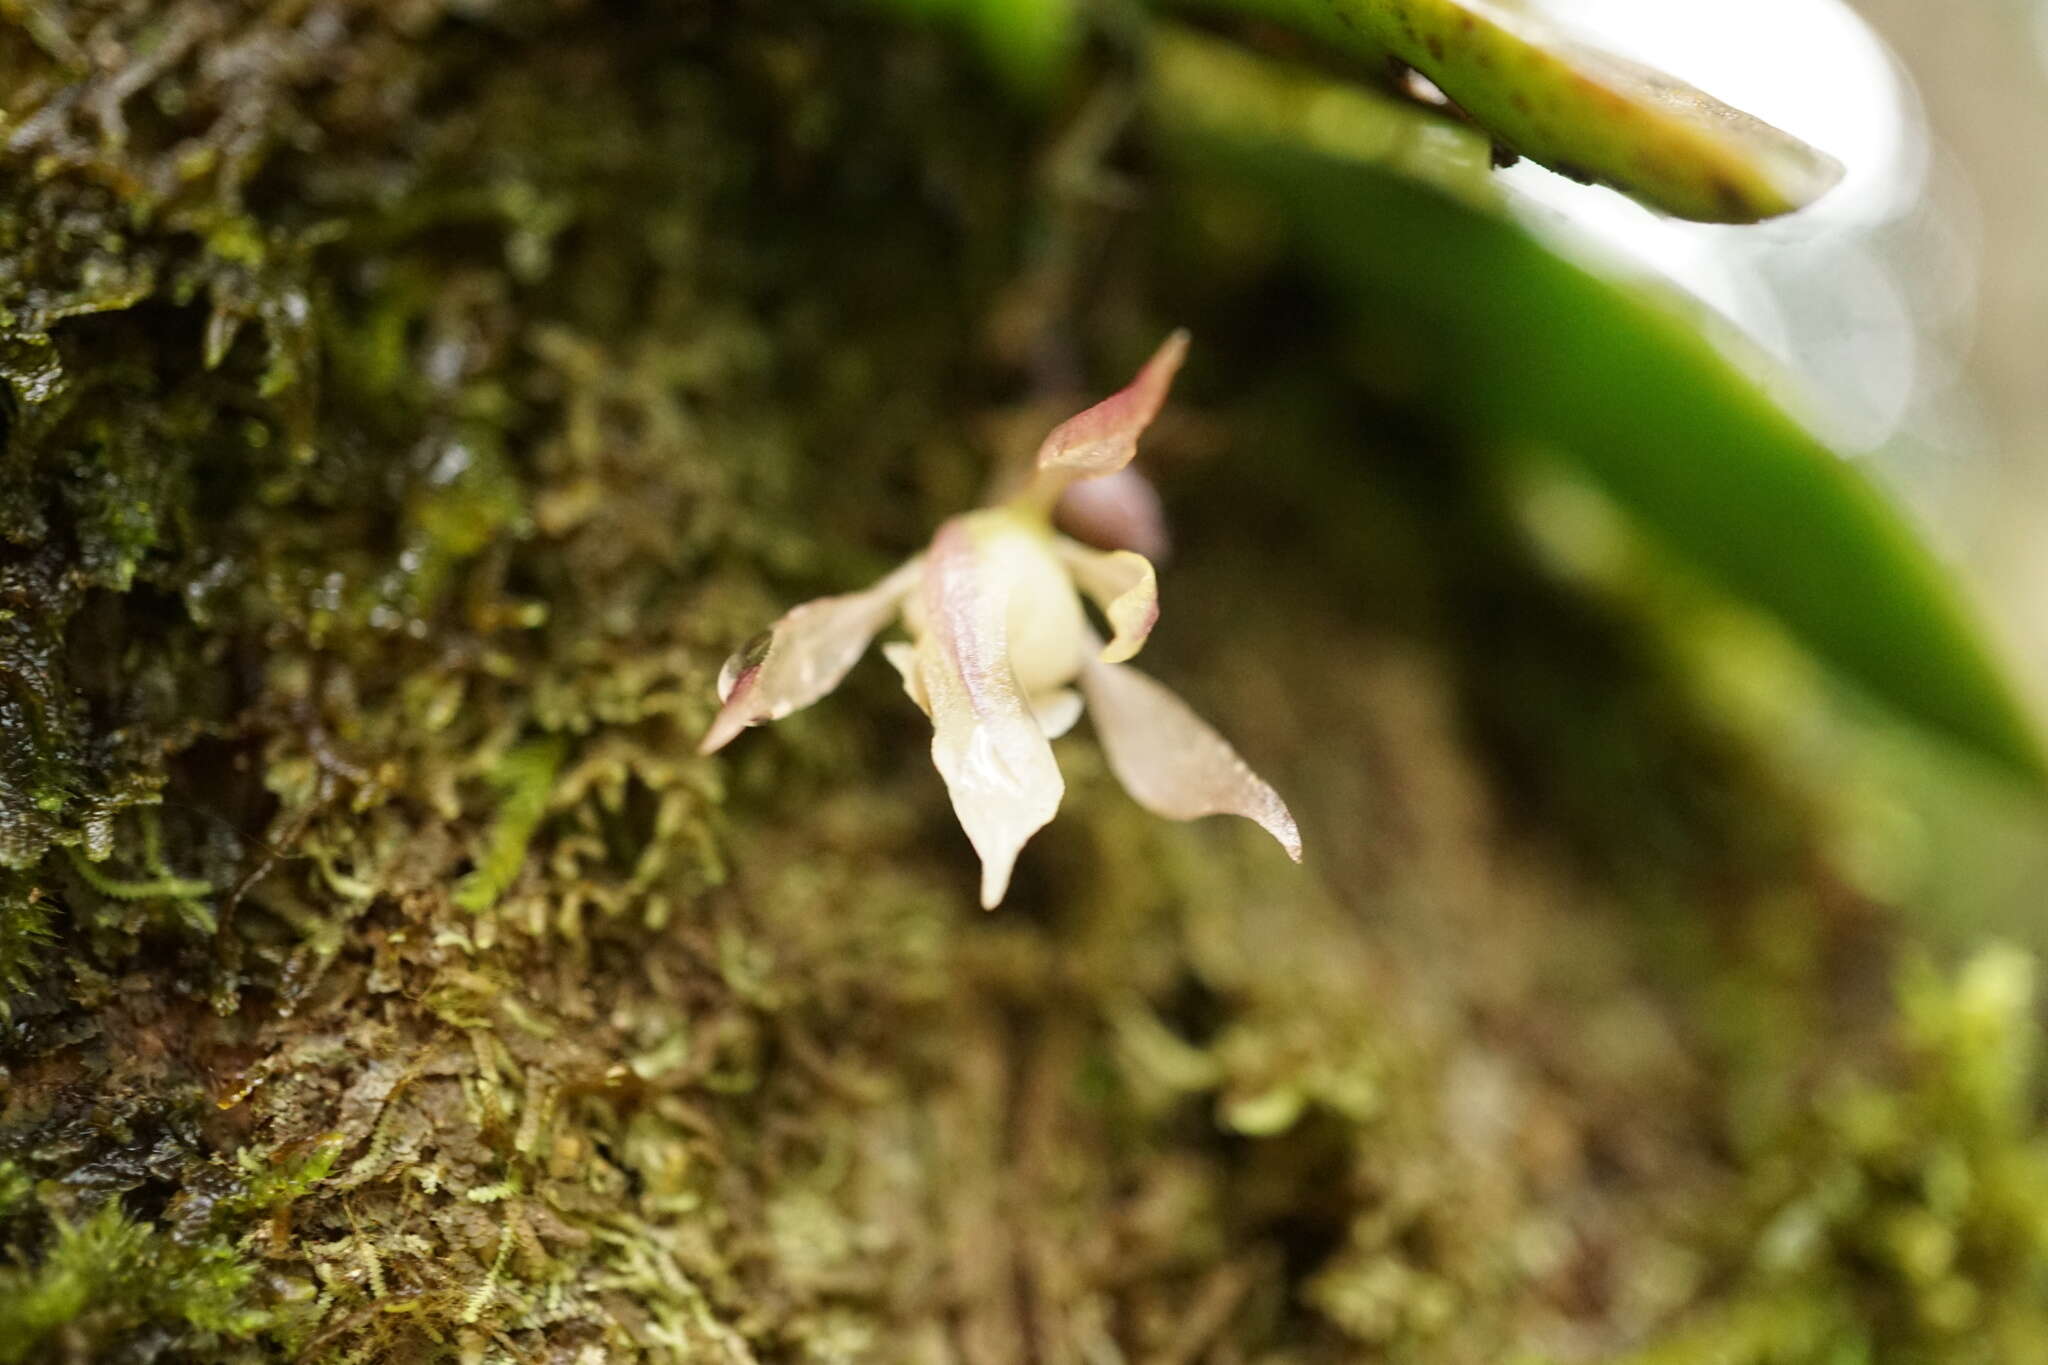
(1909, 313)
(410, 407)
(1912, 302)
(1974, 90)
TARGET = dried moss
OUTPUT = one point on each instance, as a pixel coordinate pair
(412, 404)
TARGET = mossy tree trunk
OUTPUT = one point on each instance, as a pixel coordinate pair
(412, 403)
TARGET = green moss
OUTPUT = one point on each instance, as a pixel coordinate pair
(105, 1276)
(1894, 1211)
(525, 778)
(24, 933)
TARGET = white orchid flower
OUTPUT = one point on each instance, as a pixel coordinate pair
(998, 643)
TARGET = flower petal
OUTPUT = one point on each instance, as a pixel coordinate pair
(1103, 439)
(803, 656)
(1170, 761)
(986, 742)
(1124, 585)
(902, 656)
(1119, 511)
(1057, 711)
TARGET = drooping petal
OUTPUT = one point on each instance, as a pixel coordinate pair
(1170, 761)
(1103, 438)
(986, 742)
(803, 656)
(1124, 585)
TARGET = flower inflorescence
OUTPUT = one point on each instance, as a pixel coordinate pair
(999, 646)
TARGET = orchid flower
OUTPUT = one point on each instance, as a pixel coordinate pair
(998, 644)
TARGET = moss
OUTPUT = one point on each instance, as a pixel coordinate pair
(24, 932)
(1893, 1212)
(526, 779)
(104, 1277)
(412, 405)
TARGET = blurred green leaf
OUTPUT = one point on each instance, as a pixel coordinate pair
(1524, 346)
(1584, 112)
(1029, 43)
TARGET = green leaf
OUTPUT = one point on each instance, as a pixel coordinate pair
(1525, 346)
(1581, 111)
(1227, 84)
